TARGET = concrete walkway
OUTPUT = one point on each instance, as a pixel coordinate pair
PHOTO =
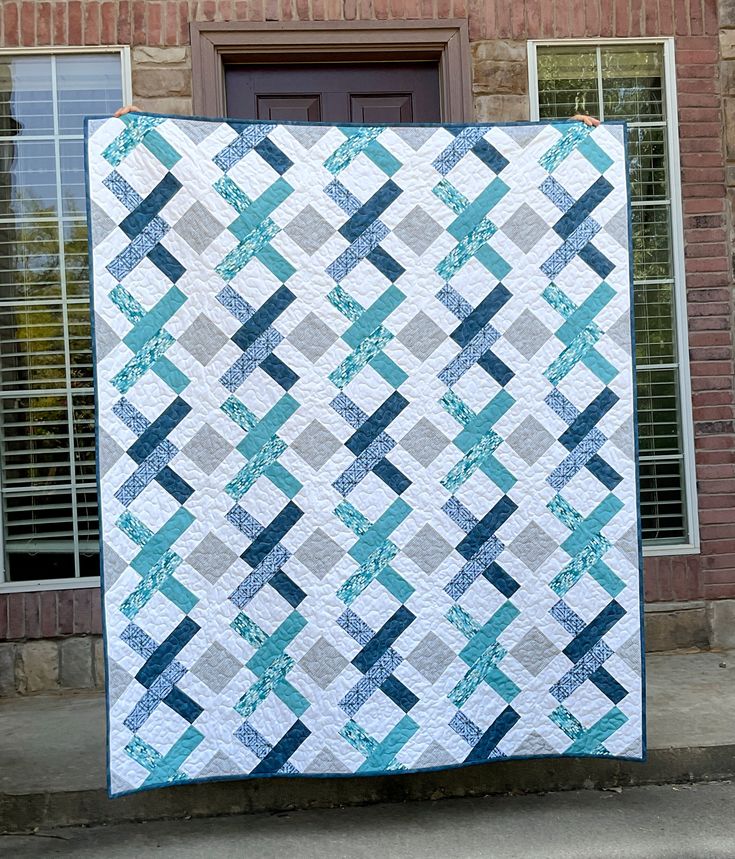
(52, 759)
(686, 822)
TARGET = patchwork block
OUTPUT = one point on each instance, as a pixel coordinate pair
(366, 447)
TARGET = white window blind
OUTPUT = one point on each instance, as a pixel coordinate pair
(633, 81)
(47, 479)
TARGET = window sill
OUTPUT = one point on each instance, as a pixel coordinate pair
(50, 585)
(667, 551)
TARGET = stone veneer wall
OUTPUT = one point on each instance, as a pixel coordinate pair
(158, 31)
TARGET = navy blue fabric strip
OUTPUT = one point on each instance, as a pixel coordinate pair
(169, 418)
(489, 155)
(278, 159)
(385, 264)
(399, 694)
(376, 423)
(370, 211)
(494, 734)
(596, 260)
(182, 704)
(608, 685)
(283, 749)
(481, 315)
(391, 476)
(263, 317)
(281, 373)
(496, 368)
(486, 527)
(166, 652)
(147, 210)
(287, 588)
(166, 263)
(581, 210)
(173, 484)
(272, 534)
(605, 473)
(497, 577)
(594, 631)
(384, 638)
(589, 418)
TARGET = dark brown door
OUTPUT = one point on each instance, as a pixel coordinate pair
(365, 92)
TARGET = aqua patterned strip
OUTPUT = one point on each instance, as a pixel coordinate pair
(450, 196)
(567, 577)
(360, 357)
(162, 570)
(262, 688)
(358, 140)
(240, 256)
(141, 362)
(345, 303)
(352, 518)
(134, 528)
(137, 127)
(472, 460)
(358, 581)
(130, 307)
(571, 138)
(462, 620)
(457, 408)
(247, 475)
(232, 193)
(466, 249)
(239, 413)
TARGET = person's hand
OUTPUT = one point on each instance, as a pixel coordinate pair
(130, 108)
(586, 119)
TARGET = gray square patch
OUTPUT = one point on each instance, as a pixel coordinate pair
(309, 230)
(421, 336)
(418, 230)
(533, 546)
(527, 334)
(198, 227)
(203, 339)
(207, 449)
(427, 549)
(534, 651)
(316, 445)
(525, 228)
(530, 440)
(211, 558)
(312, 337)
(216, 667)
(431, 657)
(323, 663)
(319, 553)
(424, 442)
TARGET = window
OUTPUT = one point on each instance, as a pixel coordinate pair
(47, 478)
(634, 81)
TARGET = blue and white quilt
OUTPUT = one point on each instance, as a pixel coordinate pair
(366, 444)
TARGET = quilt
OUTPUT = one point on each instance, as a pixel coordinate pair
(366, 446)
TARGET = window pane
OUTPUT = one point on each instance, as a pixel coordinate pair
(76, 265)
(632, 84)
(26, 99)
(28, 182)
(84, 441)
(80, 345)
(87, 84)
(567, 82)
(647, 156)
(654, 323)
(29, 261)
(32, 347)
(658, 411)
(71, 155)
(36, 441)
(663, 512)
(651, 243)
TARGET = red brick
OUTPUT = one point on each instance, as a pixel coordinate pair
(711, 353)
(48, 614)
(715, 415)
(32, 609)
(690, 99)
(380, 8)
(43, 24)
(16, 616)
(82, 610)
(696, 57)
(683, 584)
(706, 265)
(11, 29)
(708, 473)
(719, 590)
(123, 22)
(696, 281)
(224, 10)
(696, 22)
(185, 18)
(154, 25)
(518, 20)
(716, 561)
(139, 27)
(3, 617)
(58, 23)
(459, 9)
(699, 114)
(317, 10)
(650, 18)
(666, 17)
(533, 17)
(696, 206)
(711, 24)
(699, 70)
(681, 17)
(411, 11)
(65, 612)
(704, 222)
(28, 23)
(635, 18)
(107, 23)
(715, 457)
(711, 383)
(723, 338)
(703, 85)
(708, 517)
(74, 23)
(547, 18)
(716, 486)
(92, 23)
(241, 10)
(503, 19)
(697, 43)
(96, 611)
(706, 249)
(707, 236)
(622, 18)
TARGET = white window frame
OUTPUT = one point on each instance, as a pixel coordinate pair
(679, 286)
(123, 51)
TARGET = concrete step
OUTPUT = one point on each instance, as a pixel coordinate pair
(52, 760)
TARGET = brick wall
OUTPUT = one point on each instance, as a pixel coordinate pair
(159, 32)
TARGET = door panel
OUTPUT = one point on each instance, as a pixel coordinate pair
(347, 92)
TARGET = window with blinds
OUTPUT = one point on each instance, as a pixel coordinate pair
(616, 81)
(47, 474)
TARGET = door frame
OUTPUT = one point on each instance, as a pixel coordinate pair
(446, 42)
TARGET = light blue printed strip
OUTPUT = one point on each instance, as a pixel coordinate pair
(456, 407)
(142, 361)
(247, 475)
(233, 194)
(355, 627)
(466, 249)
(459, 514)
(557, 193)
(577, 459)
(373, 679)
(470, 355)
(581, 671)
(345, 303)
(570, 140)
(344, 198)
(248, 525)
(466, 728)
(260, 576)
(248, 629)
(235, 303)
(364, 244)
(124, 192)
(567, 251)
(248, 247)
(138, 249)
(472, 460)
(363, 464)
(489, 632)
(458, 148)
(358, 738)
(342, 375)
(474, 568)
(130, 416)
(250, 360)
(247, 140)
(358, 139)
(146, 472)
(262, 688)
(567, 617)
(130, 308)
(239, 413)
(159, 573)
(450, 196)
(350, 411)
(351, 589)
(580, 564)
(454, 302)
(136, 129)
(352, 518)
